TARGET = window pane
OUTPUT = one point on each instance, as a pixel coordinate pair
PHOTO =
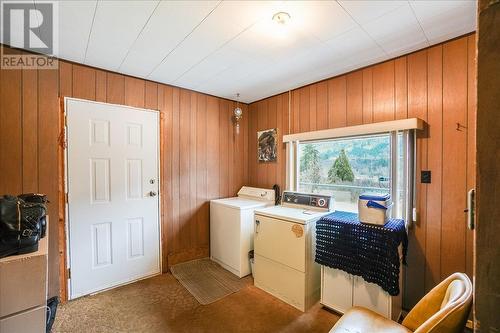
(345, 168)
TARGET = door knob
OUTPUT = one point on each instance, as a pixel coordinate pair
(152, 194)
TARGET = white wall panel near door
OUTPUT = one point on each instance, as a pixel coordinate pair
(113, 206)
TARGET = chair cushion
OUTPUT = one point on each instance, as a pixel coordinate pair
(454, 291)
(361, 320)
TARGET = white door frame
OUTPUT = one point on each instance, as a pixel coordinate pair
(66, 204)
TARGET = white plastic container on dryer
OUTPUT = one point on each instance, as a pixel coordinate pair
(374, 208)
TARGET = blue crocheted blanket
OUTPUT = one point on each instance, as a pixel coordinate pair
(366, 250)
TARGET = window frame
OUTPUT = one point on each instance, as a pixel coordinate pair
(408, 211)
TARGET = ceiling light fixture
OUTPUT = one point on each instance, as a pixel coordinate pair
(281, 18)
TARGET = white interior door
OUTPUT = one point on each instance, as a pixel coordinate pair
(113, 201)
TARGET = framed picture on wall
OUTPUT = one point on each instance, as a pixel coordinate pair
(267, 141)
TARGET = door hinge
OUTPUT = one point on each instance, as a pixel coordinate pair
(65, 120)
(68, 273)
(66, 197)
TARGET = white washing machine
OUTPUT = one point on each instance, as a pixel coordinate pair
(285, 248)
(231, 227)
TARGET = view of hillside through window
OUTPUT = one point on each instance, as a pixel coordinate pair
(345, 168)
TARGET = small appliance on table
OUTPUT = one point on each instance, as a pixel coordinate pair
(231, 227)
(284, 245)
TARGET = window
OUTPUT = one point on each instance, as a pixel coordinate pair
(345, 168)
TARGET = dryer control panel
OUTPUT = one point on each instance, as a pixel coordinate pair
(318, 201)
(254, 193)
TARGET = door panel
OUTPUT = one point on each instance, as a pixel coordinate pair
(283, 282)
(281, 241)
(371, 296)
(134, 179)
(112, 163)
(101, 244)
(336, 289)
(99, 180)
(135, 237)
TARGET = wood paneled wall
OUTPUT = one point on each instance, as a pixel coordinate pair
(435, 84)
(202, 157)
(29, 131)
(266, 114)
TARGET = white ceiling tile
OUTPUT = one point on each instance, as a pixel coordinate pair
(296, 44)
(245, 13)
(353, 42)
(397, 30)
(442, 20)
(171, 22)
(322, 19)
(218, 28)
(364, 11)
(229, 20)
(117, 24)
(211, 66)
(235, 75)
(251, 43)
(75, 22)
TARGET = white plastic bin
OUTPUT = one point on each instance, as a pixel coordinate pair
(374, 208)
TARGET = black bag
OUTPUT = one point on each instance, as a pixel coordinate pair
(35, 208)
(22, 223)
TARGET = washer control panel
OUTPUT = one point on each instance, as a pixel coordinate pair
(308, 200)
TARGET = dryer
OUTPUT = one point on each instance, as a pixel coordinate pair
(231, 227)
(285, 248)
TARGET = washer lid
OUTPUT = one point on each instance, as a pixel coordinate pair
(298, 215)
(240, 203)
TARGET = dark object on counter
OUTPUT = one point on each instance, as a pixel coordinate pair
(34, 210)
(366, 250)
(52, 304)
(22, 223)
(277, 194)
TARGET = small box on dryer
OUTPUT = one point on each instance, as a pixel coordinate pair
(374, 208)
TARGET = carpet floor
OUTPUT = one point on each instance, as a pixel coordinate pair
(162, 304)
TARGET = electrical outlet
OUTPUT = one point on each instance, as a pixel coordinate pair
(425, 177)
